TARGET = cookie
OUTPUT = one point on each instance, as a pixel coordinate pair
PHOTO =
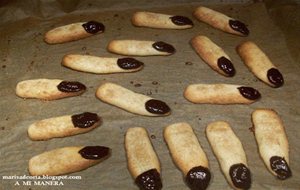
(230, 153)
(188, 155)
(67, 160)
(72, 32)
(49, 89)
(140, 48)
(130, 101)
(101, 65)
(221, 94)
(164, 21)
(259, 64)
(143, 163)
(63, 126)
(213, 55)
(221, 21)
(272, 142)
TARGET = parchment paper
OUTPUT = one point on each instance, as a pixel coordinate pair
(24, 56)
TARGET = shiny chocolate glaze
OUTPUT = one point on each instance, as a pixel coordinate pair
(240, 176)
(85, 120)
(93, 27)
(71, 86)
(249, 93)
(94, 152)
(129, 63)
(181, 20)
(149, 180)
(164, 47)
(157, 107)
(239, 26)
(280, 167)
(198, 178)
(275, 77)
(226, 66)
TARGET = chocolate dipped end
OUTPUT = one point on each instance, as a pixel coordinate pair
(181, 20)
(249, 93)
(226, 66)
(93, 27)
(94, 152)
(163, 47)
(71, 86)
(275, 77)
(240, 176)
(280, 167)
(239, 26)
(85, 120)
(157, 107)
(198, 178)
(149, 180)
(129, 63)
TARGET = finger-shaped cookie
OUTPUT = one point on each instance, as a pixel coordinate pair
(101, 65)
(188, 155)
(67, 160)
(259, 64)
(143, 163)
(221, 21)
(272, 142)
(230, 154)
(140, 48)
(130, 101)
(63, 126)
(49, 89)
(221, 94)
(72, 32)
(213, 55)
(164, 21)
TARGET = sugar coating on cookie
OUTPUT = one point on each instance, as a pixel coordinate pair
(221, 21)
(140, 48)
(221, 94)
(260, 64)
(158, 20)
(131, 101)
(49, 89)
(230, 153)
(213, 55)
(67, 160)
(272, 142)
(142, 160)
(188, 155)
(72, 32)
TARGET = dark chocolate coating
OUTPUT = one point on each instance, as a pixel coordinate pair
(129, 63)
(239, 26)
(85, 120)
(249, 93)
(280, 167)
(149, 180)
(93, 27)
(198, 178)
(275, 77)
(164, 47)
(71, 86)
(240, 176)
(226, 66)
(157, 107)
(181, 20)
(94, 152)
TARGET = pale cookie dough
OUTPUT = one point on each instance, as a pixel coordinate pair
(143, 162)
(221, 21)
(213, 55)
(272, 142)
(221, 94)
(49, 89)
(63, 126)
(188, 155)
(140, 48)
(72, 32)
(101, 65)
(67, 160)
(164, 21)
(130, 101)
(259, 64)
(230, 153)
